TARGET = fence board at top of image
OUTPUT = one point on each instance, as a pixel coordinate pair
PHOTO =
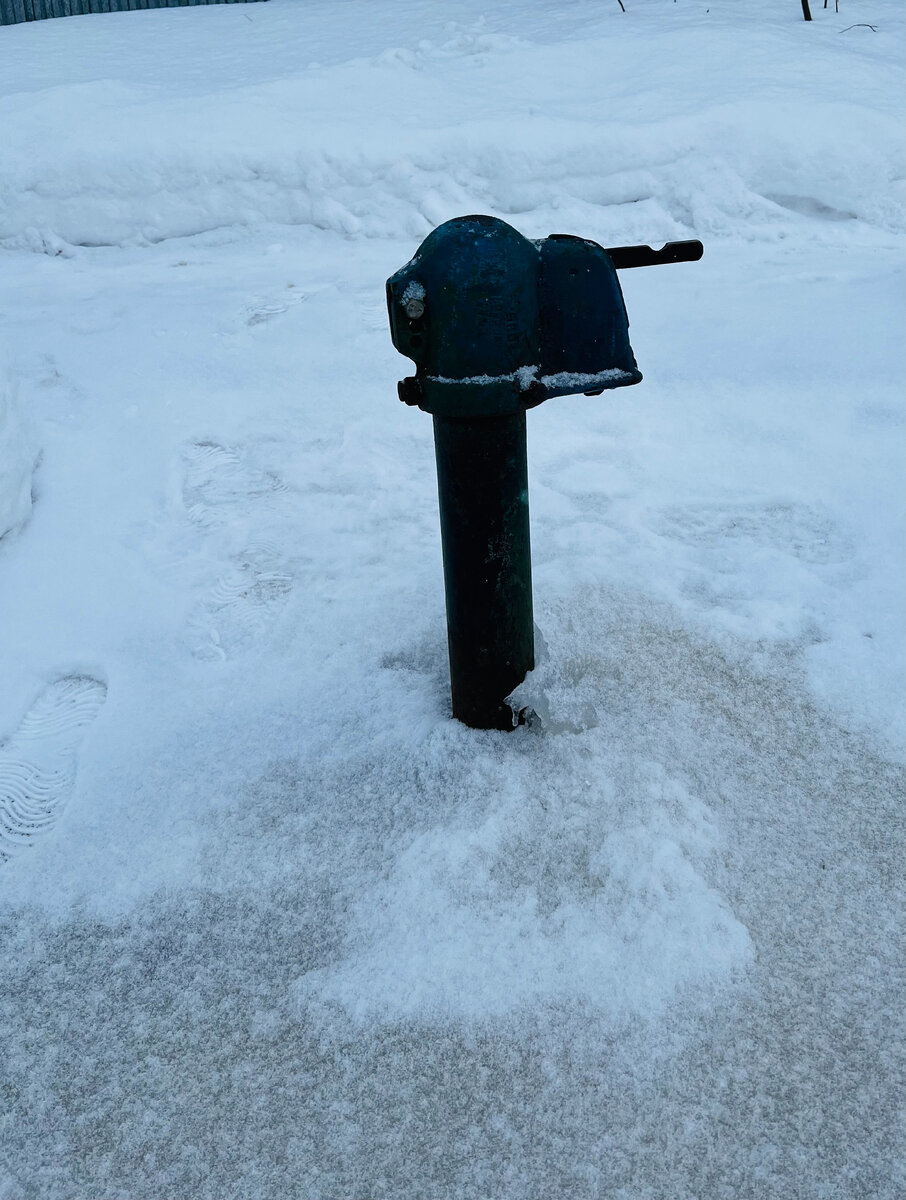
(13, 11)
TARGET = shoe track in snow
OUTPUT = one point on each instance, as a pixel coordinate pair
(38, 763)
(221, 488)
(240, 607)
(216, 481)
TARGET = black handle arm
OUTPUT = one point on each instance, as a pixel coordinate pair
(644, 256)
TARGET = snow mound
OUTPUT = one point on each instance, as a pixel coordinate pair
(144, 159)
(543, 901)
(734, 170)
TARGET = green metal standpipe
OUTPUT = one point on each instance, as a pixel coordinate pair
(482, 487)
(496, 324)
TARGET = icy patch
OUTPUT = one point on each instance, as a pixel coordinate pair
(38, 763)
(542, 905)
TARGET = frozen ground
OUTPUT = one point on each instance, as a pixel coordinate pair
(273, 924)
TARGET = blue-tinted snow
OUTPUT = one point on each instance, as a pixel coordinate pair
(283, 928)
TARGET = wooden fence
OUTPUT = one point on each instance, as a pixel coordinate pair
(13, 11)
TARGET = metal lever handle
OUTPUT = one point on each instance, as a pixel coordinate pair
(643, 256)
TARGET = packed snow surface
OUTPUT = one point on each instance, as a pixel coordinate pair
(274, 925)
(18, 454)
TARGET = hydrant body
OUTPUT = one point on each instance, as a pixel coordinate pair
(496, 324)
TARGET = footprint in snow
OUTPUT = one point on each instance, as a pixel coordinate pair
(38, 762)
(222, 492)
(218, 482)
(241, 606)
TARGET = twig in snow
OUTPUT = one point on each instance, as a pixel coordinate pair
(861, 25)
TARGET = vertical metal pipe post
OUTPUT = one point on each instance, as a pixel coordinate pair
(482, 484)
(496, 324)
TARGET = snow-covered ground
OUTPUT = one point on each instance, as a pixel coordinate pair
(273, 924)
